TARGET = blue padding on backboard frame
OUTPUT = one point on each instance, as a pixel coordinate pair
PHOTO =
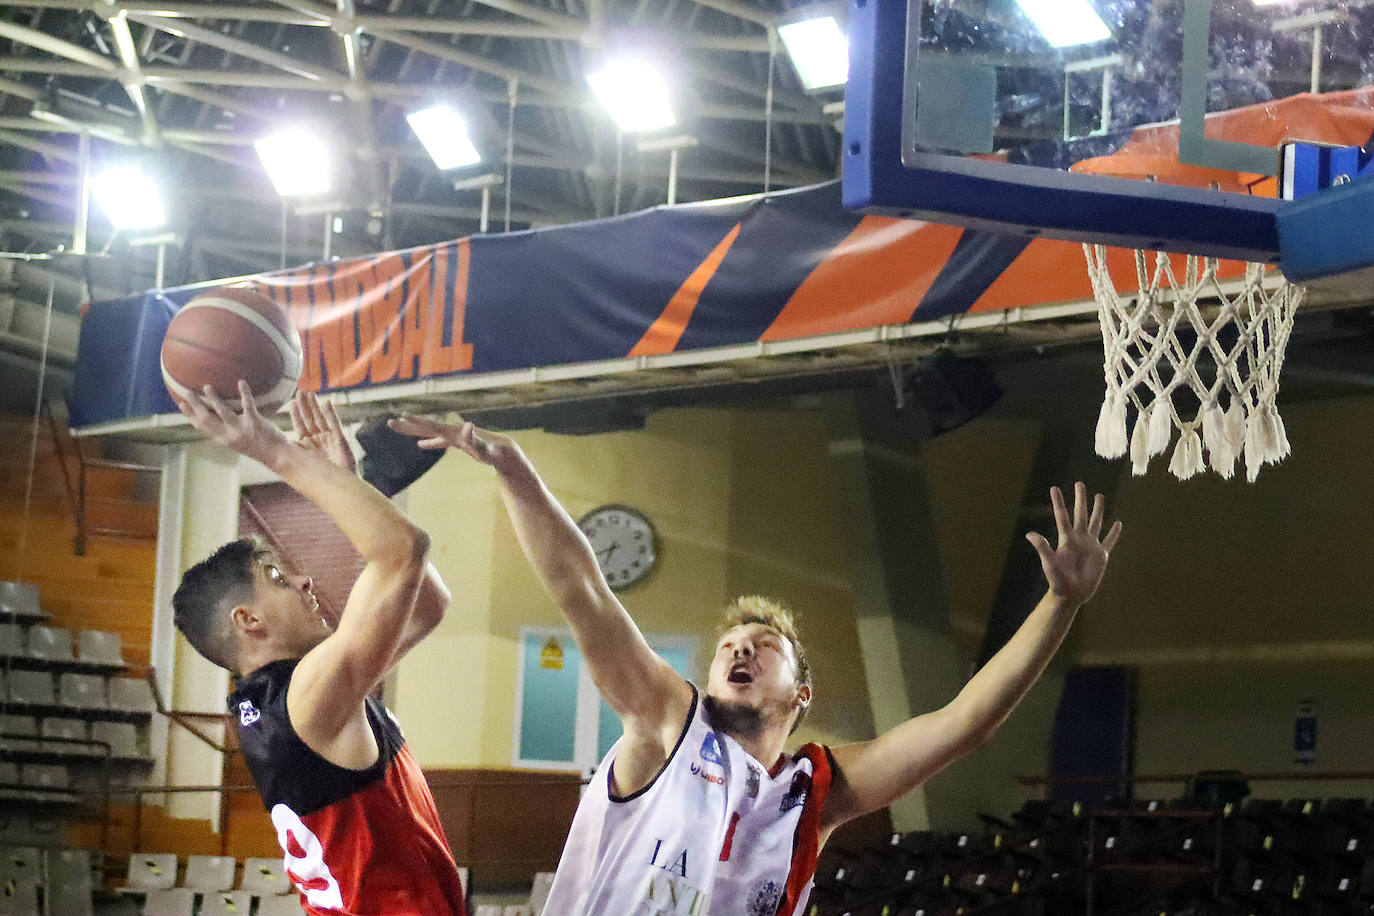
(1328, 232)
(1027, 200)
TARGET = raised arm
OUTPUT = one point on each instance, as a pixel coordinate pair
(333, 678)
(873, 774)
(318, 428)
(649, 696)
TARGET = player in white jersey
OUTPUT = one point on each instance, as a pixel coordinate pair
(697, 810)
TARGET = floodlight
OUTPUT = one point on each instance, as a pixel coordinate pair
(636, 94)
(297, 161)
(129, 198)
(1066, 22)
(444, 134)
(819, 50)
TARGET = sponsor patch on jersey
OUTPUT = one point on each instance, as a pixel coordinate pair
(751, 781)
(715, 778)
(710, 750)
(796, 793)
(248, 713)
(763, 898)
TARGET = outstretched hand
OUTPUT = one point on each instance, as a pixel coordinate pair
(1074, 569)
(244, 430)
(480, 444)
(318, 429)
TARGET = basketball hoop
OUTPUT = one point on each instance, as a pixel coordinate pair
(1162, 351)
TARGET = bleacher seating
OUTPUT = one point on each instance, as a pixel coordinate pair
(152, 871)
(264, 877)
(226, 903)
(1179, 858)
(100, 648)
(175, 901)
(205, 874)
(70, 883)
(85, 691)
(287, 905)
(51, 643)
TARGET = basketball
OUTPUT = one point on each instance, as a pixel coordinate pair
(232, 333)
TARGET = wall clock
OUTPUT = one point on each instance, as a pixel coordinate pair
(625, 543)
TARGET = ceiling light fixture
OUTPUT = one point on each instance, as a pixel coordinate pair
(444, 135)
(129, 198)
(297, 161)
(819, 50)
(635, 93)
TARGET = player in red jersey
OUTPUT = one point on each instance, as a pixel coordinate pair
(352, 811)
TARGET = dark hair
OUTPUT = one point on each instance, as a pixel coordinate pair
(207, 592)
(775, 616)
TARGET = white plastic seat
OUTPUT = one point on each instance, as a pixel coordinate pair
(99, 647)
(70, 884)
(69, 729)
(20, 598)
(152, 871)
(265, 877)
(226, 903)
(131, 694)
(19, 898)
(44, 776)
(286, 905)
(32, 688)
(21, 863)
(539, 893)
(489, 909)
(122, 737)
(177, 901)
(11, 639)
(84, 691)
(54, 643)
(209, 873)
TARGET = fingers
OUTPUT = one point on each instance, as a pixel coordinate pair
(432, 444)
(411, 425)
(1061, 514)
(314, 414)
(1080, 506)
(1042, 546)
(1109, 541)
(297, 417)
(331, 416)
(1099, 509)
(216, 405)
(250, 406)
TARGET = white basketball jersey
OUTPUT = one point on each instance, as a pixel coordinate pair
(712, 835)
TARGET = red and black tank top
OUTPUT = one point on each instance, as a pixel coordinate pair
(357, 842)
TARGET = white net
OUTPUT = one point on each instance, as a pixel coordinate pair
(1210, 373)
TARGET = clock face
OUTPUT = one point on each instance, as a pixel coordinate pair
(624, 542)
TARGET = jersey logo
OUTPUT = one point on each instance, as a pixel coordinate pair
(796, 793)
(751, 781)
(304, 860)
(763, 899)
(248, 713)
(710, 750)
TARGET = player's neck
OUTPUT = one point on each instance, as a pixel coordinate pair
(766, 747)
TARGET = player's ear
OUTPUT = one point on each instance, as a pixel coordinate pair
(804, 695)
(245, 619)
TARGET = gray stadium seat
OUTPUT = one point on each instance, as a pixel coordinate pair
(122, 737)
(287, 905)
(20, 598)
(71, 729)
(53, 643)
(131, 694)
(265, 877)
(31, 687)
(177, 901)
(19, 898)
(232, 903)
(21, 863)
(11, 639)
(70, 883)
(209, 873)
(44, 776)
(99, 647)
(85, 691)
(17, 727)
(152, 871)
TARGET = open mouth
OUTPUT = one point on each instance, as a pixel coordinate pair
(740, 675)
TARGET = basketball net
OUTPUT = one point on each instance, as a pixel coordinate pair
(1162, 354)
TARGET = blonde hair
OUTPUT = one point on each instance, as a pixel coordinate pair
(777, 617)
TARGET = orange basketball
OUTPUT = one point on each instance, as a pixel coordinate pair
(232, 333)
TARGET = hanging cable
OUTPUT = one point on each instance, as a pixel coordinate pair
(33, 437)
(768, 113)
(513, 92)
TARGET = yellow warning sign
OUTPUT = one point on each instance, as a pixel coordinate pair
(551, 656)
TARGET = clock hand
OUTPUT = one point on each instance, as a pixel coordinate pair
(608, 551)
